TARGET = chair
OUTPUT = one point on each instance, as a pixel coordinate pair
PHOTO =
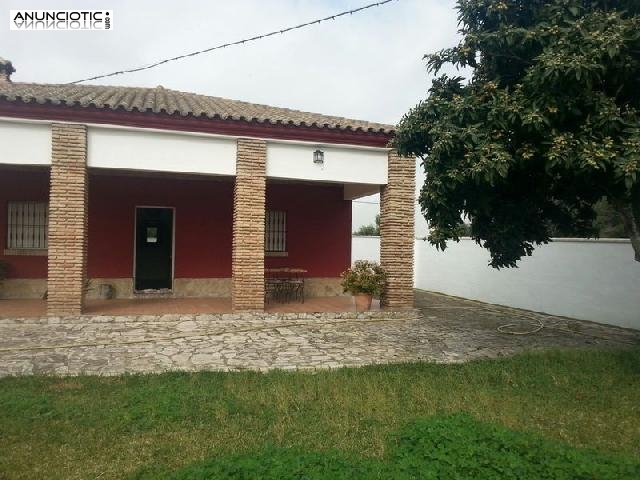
(284, 285)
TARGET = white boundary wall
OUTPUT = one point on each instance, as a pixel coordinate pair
(594, 280)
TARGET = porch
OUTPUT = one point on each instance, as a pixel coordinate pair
(30, 308)
(85, 225)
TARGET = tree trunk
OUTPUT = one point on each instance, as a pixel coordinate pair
(630, 212)
(635, 235)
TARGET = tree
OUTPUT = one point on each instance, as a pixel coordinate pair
(609, 222)
(370, 230)
(547, 125)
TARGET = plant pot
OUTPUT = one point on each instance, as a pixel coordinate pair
(363, 302)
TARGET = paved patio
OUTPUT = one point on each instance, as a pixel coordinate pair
(449, 330)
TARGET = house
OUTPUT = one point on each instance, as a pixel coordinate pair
(155, 190)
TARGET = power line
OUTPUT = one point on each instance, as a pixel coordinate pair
(239, 42)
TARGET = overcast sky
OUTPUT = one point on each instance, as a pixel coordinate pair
(365, 66)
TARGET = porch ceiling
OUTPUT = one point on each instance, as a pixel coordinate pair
(352, 191)
(112, 172)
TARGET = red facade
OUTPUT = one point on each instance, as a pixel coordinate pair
(318, 223)
(22, 185)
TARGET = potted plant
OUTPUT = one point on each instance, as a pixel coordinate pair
(364, 280)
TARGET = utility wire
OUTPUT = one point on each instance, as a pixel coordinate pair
(239, 42)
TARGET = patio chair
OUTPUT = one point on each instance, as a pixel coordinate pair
(284, 286)
(297, 288)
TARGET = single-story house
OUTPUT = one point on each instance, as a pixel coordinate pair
(156, 190)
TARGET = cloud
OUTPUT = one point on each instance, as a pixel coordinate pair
(365, 66)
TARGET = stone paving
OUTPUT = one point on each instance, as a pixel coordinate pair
(442, 329)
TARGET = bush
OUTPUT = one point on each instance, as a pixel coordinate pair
(453, 446)
(364, 277)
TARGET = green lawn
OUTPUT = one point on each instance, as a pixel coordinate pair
(558, 412)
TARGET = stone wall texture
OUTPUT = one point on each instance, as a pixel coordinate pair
(67, 220)
(397, 231)
(23, 288)
(247, 284)
(34, 288)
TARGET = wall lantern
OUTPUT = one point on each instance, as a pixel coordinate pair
(318, 157)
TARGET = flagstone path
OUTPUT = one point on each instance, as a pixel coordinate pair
(448, 330)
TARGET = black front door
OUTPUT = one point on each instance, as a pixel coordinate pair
(154, 248)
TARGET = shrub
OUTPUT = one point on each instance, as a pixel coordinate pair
(364, 277)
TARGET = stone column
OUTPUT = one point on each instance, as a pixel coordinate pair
(67, 220)
(397, 231)
(247, 284)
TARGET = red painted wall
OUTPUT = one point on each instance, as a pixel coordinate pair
(30, 184)
(318, 227)
(318, 223)
(203, 223)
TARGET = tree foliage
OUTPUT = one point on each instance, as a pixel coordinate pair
(371, 230)
(609, 222)
(547, 125)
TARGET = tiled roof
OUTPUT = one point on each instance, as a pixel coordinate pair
(171, 102)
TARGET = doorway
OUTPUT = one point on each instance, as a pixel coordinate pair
(153, 249)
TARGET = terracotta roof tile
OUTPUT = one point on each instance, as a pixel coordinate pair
(172, 102)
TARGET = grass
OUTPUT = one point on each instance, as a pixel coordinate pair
(450, 446)
(146, 426)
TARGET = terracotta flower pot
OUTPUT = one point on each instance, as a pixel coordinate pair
(363, 302)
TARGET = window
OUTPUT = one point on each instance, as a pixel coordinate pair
(27, 225)
(275, 231)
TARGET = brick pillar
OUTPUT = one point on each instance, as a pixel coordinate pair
(247, 292)
(67, 220)
(397, 205)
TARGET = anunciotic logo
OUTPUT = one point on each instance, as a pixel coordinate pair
(61, 20)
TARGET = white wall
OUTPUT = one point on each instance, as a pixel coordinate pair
(590, 280)
(341, 164)
(361, 169)
(160, 151)
(365, 248)
(25, 143)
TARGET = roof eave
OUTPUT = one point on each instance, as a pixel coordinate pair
(19, 108)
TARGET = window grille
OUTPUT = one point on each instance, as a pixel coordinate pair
(27, 225)
(275, 232)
